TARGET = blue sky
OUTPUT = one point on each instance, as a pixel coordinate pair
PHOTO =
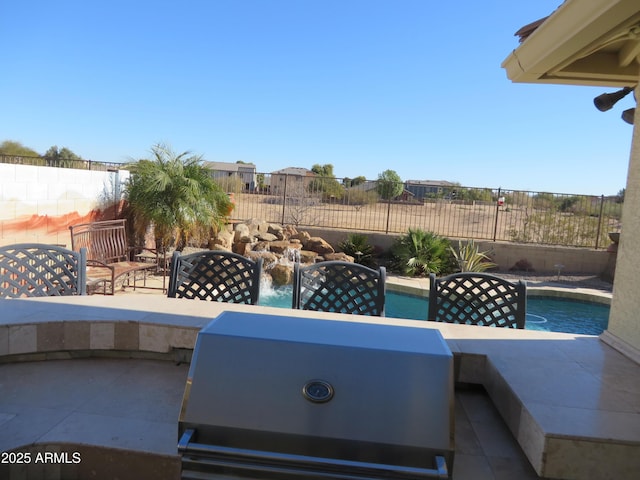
(366, 85)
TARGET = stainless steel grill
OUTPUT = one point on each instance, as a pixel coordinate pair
(288, 398)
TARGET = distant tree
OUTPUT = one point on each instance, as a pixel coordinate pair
(389, 184)
(9, 147)
(325, 182)
(353, 182)
(261, 182)
(620, 196)
(323, 170)
(62, 157)
(358, 181)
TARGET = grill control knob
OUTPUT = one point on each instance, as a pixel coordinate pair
(317, 391)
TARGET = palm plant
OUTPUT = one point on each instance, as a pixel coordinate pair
(175, 195)
(419, 253)
(357, 245)
(470, 259)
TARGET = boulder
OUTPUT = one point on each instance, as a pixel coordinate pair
(268, 258)
(307, 256)
(290, 231)
(281, 246)
(266, 237)
(276, 230)
(281, 275)
(318, 245)
(340, 256)
(261, 247)
(303, 237)
(256, 225)
(223, 240)
(242, 233)
(241, 248)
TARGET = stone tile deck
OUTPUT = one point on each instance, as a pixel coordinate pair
(571, 401)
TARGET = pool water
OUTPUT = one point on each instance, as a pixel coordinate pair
(543, 313)
(566, 315)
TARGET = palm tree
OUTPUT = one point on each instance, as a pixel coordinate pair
(175, 195)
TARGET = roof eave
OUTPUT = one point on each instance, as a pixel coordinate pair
(565, 37)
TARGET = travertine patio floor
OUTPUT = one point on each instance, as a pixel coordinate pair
(569, 404)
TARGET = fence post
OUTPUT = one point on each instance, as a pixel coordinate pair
(388, 214)
(599, 221)
(284, 197)
(495, 225)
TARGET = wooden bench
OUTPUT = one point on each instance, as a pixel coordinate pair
(109, 256)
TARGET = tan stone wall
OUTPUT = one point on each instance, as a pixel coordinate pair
(542, 258)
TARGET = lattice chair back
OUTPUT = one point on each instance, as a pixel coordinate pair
(341, 287)
(40, 270)
(477, 299)
(215, 275)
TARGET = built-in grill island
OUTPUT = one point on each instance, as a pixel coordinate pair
(282, 397)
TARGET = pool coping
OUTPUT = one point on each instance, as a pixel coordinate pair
(420, 288)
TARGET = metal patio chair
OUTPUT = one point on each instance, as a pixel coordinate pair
(477, 299)
(341, 287)
(215, 275)
(40, 270)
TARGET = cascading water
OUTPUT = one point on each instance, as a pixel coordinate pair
(286, 260)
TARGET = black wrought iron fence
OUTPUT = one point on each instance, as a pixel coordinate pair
(452, 211)
(449, 210)
(60, 163)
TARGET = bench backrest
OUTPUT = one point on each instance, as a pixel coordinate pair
(105, 241)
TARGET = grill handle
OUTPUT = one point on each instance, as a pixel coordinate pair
(283, 463)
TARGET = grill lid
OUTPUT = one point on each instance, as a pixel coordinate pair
(351, 391)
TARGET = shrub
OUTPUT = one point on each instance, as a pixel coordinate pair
(470, 259)
(419, 253)
(357, 245)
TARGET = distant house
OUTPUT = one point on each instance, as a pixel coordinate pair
(427, 188)
(291, 179)
(246, 172)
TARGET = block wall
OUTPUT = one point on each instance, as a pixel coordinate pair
(37, 204)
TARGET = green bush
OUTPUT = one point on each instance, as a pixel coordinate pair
(357, 245)
(470, 258)
(419, 253)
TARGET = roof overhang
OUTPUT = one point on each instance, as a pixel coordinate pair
(595, 42)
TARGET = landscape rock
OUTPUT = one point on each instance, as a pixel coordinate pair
(280, 246)
(307, 256)
(241, 232)
(318, 245)
(276, 230)
(303, 237)
(340, 256)
(281, 275)
(268, 258)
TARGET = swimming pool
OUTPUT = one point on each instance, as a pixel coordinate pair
(549, 314)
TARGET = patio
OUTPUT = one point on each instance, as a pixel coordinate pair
(568, 403)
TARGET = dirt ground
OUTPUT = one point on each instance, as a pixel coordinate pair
(481, 221)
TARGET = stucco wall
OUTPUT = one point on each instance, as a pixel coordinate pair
(37, 204)
(624, 320)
